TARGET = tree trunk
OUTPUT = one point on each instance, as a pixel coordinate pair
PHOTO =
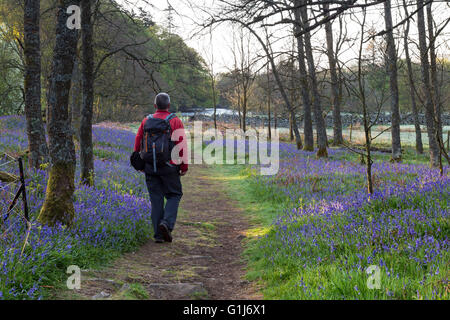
(307, 126)
(391, 63)
(76, 99)
(86, 147)
(291, 133)
(292, 96)
(239, 105)
(244, 109)
(290, 109)
(32, 85)
(97, 108)
(240, 115)
(351, 128)
(298, 138)
(58, 203)
(269, 97)
(366, 119)
(213, 87)
(275, 116)
(425, 72)
(435, 89)
(317, 108)
(335, 96)
(412, 91)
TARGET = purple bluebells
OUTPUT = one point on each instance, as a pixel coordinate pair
(113, 216)
(330, 224)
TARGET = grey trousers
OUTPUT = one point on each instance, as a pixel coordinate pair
(165, 186)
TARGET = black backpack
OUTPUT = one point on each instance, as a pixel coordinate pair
(136, 161)
(157, 144)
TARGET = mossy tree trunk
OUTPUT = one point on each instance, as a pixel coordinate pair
(58, 203)
(32, 84)
(86, 146)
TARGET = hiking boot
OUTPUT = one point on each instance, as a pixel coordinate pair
(159, 240)
(165, 232)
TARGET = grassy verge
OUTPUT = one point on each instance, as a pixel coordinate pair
(261, 208)
(315, 234)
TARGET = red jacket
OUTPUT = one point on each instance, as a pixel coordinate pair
(175, 124)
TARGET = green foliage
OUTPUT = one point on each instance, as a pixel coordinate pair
(11, 81)
(136, 292)
(185, 73)
(134, 59)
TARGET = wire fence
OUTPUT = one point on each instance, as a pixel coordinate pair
(10, 207)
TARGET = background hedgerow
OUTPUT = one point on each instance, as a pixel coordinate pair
(112, 217)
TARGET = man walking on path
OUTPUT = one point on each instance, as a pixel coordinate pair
(163, 180)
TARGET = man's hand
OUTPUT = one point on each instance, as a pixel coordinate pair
(183, 173)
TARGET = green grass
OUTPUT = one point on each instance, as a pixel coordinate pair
(204, 225)
(134, 126)
(135, 292)
(287, 277)
(260, 207)
(106, 154)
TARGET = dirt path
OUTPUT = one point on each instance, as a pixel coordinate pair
(203, 262)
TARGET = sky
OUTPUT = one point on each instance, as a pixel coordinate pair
(217, 47)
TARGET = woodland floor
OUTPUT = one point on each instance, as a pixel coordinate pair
(204, 261)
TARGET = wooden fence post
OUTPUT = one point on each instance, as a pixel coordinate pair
(24, 194)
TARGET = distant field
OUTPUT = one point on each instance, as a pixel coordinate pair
(407, 134)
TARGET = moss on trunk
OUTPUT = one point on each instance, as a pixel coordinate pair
(58, 204)
(308, 147)
(322, 153)
(337, 142)
(87, 178)
(397, 159)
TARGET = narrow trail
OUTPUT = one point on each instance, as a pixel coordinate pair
(203, 262)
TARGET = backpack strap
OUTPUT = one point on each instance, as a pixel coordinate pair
(170, 117)
(167, 120)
